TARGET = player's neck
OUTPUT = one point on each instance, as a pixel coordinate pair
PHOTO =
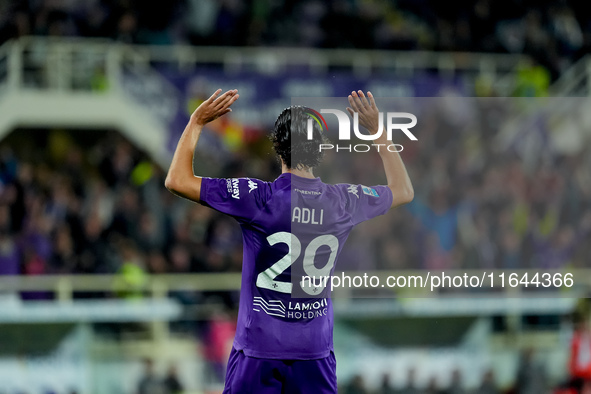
(306, 173)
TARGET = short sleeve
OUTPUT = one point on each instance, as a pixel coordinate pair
(365, 202)
(241, 198)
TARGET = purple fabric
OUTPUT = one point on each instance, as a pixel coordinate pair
(277, 318)
(9, 257)
(264, 376)
(39, 243)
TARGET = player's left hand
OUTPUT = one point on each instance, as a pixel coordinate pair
(214, 107)
(366, 108)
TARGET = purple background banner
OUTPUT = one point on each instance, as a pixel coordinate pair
(263, 97)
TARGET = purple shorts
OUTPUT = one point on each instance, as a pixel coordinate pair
(266, 376)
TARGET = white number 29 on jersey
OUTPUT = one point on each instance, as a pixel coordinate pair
(266, 279)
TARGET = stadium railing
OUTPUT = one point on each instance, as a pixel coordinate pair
(158, 286)
(361, 62)
(575, 81)
(38, 71)
(349, 303)
(55, 52)
(3, 67)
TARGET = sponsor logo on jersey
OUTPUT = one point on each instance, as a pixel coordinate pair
(307, 310)
(251, 185)
(312, 192)
(233, 188)
(294, 310)
(353, 190)
(271, 307)
(369, 191)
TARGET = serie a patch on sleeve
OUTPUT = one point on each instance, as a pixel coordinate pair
(369, 191)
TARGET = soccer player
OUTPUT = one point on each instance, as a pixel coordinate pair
(292, 227)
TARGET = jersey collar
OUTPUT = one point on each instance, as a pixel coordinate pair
(299, 179)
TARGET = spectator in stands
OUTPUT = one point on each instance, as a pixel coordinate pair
(386, 385)
(94, 251)
(488, 385)
(9, 251)
(172, 383)
(131, 279)
(219, 338)
(410, 386)
(156, 262)
(63, 259)
(432, 387)
(149, 383)
(533, 80)
(127, 28)
(532, 377)
(456, 386)
(580, 353)
(356, 386)
(201, 20)
(148, 233)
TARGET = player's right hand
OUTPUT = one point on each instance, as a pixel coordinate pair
(214, 107)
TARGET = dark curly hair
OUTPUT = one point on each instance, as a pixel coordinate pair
(290, 139)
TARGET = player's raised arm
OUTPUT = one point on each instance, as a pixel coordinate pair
(398, 179)
(180, 179)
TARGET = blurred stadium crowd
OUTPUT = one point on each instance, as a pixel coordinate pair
(103, 210)
(527, 382)
(66, 208)
(477, 206)
(554, 33)
(151, 382)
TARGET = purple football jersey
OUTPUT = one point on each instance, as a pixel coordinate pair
(292, 227)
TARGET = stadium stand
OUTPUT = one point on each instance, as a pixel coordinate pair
(555, 34)
(92, 203)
